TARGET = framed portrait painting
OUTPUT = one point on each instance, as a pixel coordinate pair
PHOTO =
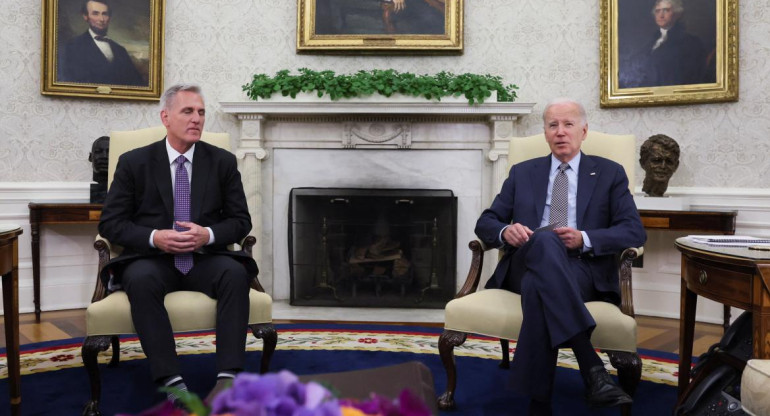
(103, 49)
(380, 26)
(668, 52)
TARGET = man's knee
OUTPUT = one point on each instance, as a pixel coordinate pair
(545, 240)
(233, 274)
(142, 277)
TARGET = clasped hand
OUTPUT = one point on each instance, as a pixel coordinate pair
(517, 235)
(175, 242)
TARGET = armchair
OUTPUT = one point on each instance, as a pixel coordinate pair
(109, 314)
(497, 313)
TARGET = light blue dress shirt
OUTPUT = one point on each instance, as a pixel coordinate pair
(572, 177)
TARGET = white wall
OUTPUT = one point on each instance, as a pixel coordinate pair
(546, 48)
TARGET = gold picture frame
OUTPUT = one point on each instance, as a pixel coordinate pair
(640, 67)
(380, 26)
(75, 62)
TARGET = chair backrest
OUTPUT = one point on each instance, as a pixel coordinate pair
(123, 141)
(620, 148)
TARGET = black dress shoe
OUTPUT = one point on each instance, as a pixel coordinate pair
(601, 390)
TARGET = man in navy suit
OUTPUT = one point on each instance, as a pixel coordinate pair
(146, 213)
(557, 270)
(94, 58)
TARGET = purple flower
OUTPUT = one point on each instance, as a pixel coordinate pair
(407, 404)
(275, 395)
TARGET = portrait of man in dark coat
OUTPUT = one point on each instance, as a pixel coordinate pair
(94, 58)
(666, 53)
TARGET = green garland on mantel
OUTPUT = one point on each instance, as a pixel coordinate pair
(387, 82)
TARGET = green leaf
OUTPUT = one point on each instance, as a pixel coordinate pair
(474, 87)
(191, 400)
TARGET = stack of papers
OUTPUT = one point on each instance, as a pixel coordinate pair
(728, 240)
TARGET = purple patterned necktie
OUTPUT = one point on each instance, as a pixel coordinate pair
(559, 196)
(183, 262)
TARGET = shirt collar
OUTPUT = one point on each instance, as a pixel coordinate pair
(94, 34)
(663, 32)
(173, 154)
(574, 164)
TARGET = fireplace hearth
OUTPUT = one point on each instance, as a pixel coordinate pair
(372, 247)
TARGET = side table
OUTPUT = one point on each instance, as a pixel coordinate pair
(55, 213)
(9, 269)
(700, 222)
(734, 276)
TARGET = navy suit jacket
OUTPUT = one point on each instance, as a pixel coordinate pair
(141, 199)
(80, 60)
(605, 211)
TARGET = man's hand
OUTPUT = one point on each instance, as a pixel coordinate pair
(175, 242)
(517, 234)
(398, 5)
(571, 237)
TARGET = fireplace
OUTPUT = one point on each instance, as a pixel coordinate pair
(372, 247)
(341, 144)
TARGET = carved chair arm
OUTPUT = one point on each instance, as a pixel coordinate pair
(474, 274)
(104, 248)
(247, 245)
(625, 273)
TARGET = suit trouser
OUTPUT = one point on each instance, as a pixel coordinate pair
(553, 288)
(148, 280)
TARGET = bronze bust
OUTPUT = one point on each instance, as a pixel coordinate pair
(659, 157)
(99, 158)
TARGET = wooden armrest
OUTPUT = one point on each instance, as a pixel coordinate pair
(474, 274)
(624, 273)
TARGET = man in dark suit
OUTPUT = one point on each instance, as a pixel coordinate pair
(671, 55)
(93, 57)
(175, 205)
(675, 56)
(586, 199)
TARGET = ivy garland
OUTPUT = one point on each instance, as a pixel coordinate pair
(476, 88)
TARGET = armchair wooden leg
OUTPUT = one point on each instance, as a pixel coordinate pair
(446, 344)
(269, 337)
(115, 352)
(629, 366)
(506, 362)
(90, 350)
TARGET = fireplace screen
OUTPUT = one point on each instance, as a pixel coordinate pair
(372, 247)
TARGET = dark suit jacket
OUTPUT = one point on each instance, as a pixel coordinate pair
(605, 211)
(80, 60)
(141, 199)
(680, 60)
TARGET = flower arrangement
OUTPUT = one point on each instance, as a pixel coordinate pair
(387, 82)
(282, 394)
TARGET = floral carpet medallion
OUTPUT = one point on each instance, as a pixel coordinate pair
(656, 370)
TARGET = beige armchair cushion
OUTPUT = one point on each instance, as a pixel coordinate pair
(188, 311)
(755, 388)
(500, 313)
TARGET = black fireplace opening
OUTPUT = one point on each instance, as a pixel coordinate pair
(372, 247)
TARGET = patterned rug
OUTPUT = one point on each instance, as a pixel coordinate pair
(657, 367)
(54, 382)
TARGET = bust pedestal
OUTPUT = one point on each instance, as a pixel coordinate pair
(662, 203)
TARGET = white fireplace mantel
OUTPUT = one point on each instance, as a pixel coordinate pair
(275, 139)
